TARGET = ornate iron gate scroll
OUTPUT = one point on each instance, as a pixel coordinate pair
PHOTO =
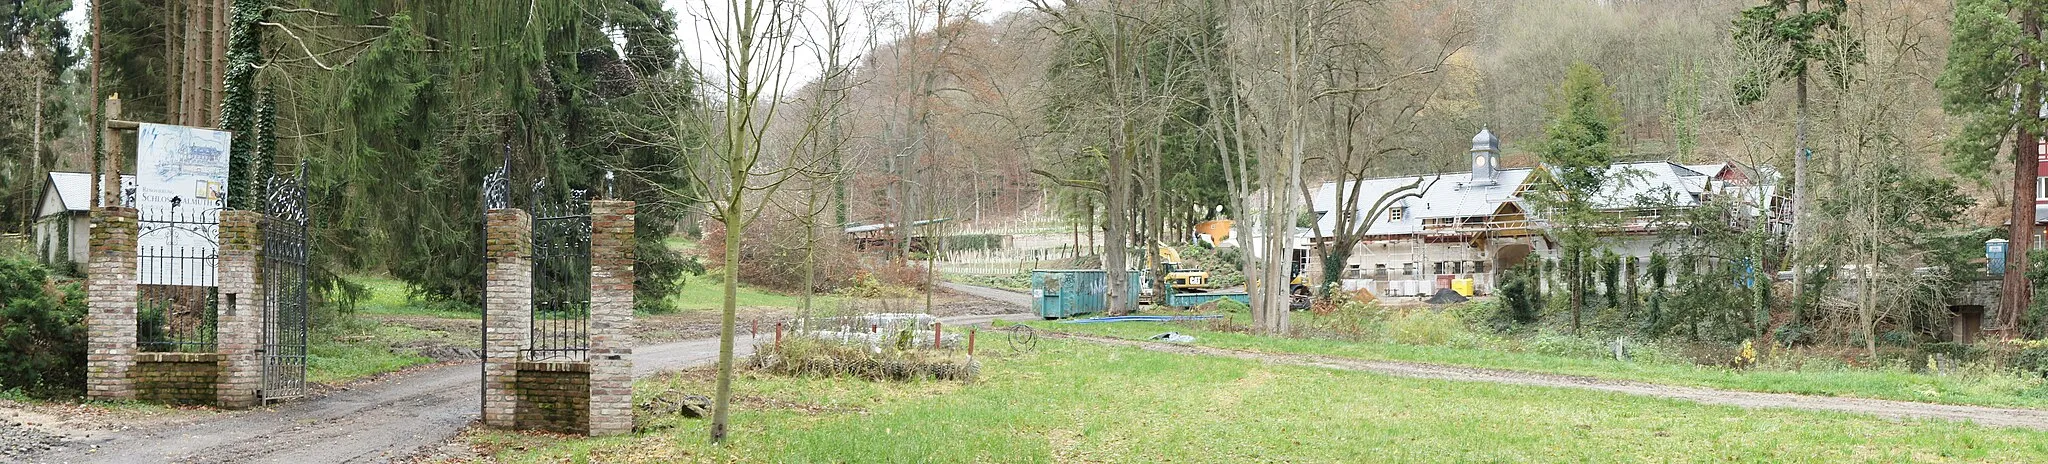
(284, 290)
(561, 277)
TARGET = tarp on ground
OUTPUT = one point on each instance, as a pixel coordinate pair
(1446, 296)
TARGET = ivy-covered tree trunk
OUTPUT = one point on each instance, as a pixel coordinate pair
(239, 108)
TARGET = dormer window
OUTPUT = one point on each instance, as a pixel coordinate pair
(1397, 213)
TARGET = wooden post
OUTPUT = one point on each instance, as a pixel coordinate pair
(778, 335)
(970, 341)
(937, 336)
(110, 184)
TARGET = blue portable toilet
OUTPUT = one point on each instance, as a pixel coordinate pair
(1057, 293)
(1994, 255)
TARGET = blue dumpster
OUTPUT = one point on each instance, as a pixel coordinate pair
(1181, 300)
(1057, 293)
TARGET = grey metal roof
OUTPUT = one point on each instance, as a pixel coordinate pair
(1449, 195)
(1660, 183)
(1454, 195)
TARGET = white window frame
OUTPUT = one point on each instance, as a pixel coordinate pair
(1397, 213)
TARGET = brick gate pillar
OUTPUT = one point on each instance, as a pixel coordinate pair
(611, 317)
(238, 332)
(508, 303)
(110, 302)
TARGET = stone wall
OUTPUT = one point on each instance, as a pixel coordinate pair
(508, 305)
(554, 397)
(176, 378)
(110, 304)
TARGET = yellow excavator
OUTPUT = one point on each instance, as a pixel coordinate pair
(1183, 279)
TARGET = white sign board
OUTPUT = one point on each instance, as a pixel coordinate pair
(180, 188)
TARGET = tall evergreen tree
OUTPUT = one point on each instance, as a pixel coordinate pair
(1993, 81)
(1580, 145)
(1791, 36)
(35, 51)
(397, 109)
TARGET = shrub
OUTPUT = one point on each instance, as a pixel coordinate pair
(804, 356)
(1351, 320)
(42, 328)
(1520, 298)
(2032, 357)
(772, 255)
(1231, 306)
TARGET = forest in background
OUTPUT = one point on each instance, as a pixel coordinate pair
(395, 110)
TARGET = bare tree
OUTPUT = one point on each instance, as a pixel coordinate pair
(1115, 28)
(755, 42)
(1379, 108)
(1276, 49)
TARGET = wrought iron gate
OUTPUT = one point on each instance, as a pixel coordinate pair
(284, 290)
(561, 277)
(177, 301)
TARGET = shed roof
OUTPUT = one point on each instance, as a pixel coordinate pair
(74, 189)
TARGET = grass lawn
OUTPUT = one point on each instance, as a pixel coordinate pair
(1073, 401)
(342, 354)
(388, 297)
(707, 292)
(1986, 389)
(679, 243)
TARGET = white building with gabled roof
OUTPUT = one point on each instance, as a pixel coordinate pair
(64, 219)
(1470, 225)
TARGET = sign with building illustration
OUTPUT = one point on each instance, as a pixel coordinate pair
(181, 183)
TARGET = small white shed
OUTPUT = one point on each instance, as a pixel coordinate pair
(63, 229)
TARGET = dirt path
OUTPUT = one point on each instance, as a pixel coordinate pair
(379, 421)
(1996, 417)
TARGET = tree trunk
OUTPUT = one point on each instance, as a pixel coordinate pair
(35, 154)
(188, 29)
(1088, 216)
(110, 184)
(1117, 237)
(174, 60)
(721, 402)
(2018, 292)
(1576, 282)
(217, 83)
(93, 119)
(810, 251)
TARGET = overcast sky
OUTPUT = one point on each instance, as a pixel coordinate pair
(691, 16)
